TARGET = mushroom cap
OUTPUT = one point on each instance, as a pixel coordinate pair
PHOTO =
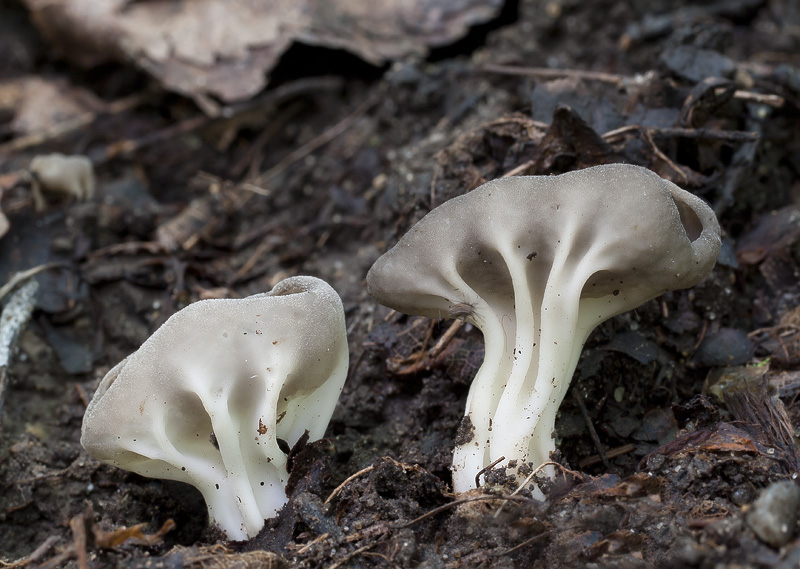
(57, 172)
(205, 398)
(643, 234)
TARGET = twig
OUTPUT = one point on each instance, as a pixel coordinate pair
(312, 543)
(701, 337)
(251, 155)
(619, 80)
(352, 554)
(82, 394)
(525, 543)
(521, 168)
(78, 525)
(449, 505)
(403, 465)
(592, 432)
(25, 275)
(35, 555)
(262, 248)
(548, 73)
(347, 481)
(13, 319)
(422, 359)
(610, 453)
(538, 469)
(56, 561)
(648, 137)
(71, 125)
(123, 147)
(697, 133)
(774, 330)
(770, 100)
(446, 338)
(269, 100)
(486, 469)
(128, 248)
(318, 141)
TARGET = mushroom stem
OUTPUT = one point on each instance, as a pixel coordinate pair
(236, 479)
(546, 319)
(204, 472)
(473, 455)
(566, 321)
(497, 326)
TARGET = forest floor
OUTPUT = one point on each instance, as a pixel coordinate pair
(681, 413)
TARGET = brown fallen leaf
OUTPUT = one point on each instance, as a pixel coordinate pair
(133, 535)
(87, 535)
(724, 437)
(224, 48)
(40, 104)
(727, 438)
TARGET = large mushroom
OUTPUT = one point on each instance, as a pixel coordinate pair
(207, 398)
(536, 262)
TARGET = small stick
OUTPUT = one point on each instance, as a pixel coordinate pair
(319, 141)
(124, 147)
(521, 168)
(34, 557)
(648, 137)
(352, 554)
(25, 275)
(486, 469)
(72, 124)
(420, 360)
(449, 505)
(128, 248)
(248, 266)
(787, 329)
(549, 73)
(82, 394)
(525, 543)
(610, 453)
(702, 336)
(312, 543)
(539, 468)
(592, 432)
(449, 334)
(613, 78)
(699, 133)
(347, 481)
(13, 319)
(78, 526)
(250, 158)
(770, 100)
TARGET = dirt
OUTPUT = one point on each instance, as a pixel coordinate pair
(691, 398)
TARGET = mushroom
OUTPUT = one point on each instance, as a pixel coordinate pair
(536, 262)
(71, 175)
(210, 395)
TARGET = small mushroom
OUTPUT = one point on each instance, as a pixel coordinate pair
(57, 173)
(207, 398)
(536, 262)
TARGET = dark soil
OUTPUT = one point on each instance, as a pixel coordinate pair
(691, 398)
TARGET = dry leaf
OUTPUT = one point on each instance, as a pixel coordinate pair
(224, 47)
(107, 539)
(39, 105)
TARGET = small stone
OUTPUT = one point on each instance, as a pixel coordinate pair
(773, 516)
(726, 347)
